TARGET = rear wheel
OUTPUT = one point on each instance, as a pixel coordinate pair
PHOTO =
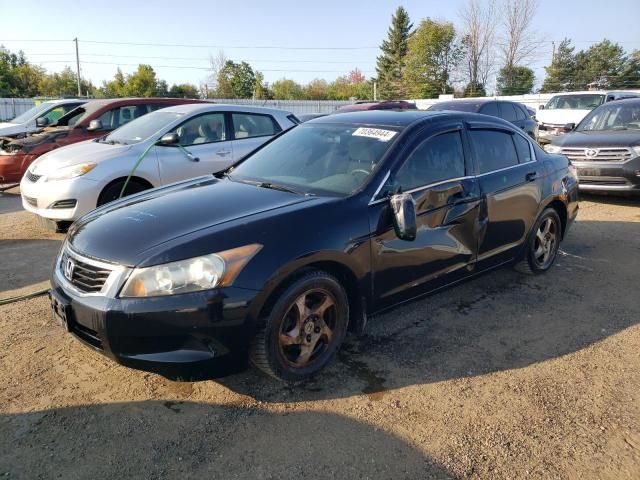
(112, 191)
(542, 247)
(304, 329)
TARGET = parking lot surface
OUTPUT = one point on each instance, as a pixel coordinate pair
(505, 376)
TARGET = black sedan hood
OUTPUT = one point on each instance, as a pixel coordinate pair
(611, 138)
(122, 231)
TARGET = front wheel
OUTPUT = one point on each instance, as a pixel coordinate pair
(112, 191)
(542, 247)
(304, 329)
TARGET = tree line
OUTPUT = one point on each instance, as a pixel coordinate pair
(488, 53)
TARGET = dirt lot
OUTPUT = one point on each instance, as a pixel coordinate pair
(503, 377)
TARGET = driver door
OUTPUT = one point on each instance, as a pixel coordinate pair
(437, 173)
(205, 149)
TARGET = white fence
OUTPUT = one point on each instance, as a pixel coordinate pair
(12, 107)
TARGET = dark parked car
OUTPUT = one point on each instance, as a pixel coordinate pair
(337, 219)
(383, 105)
(605, 147)
(94, 119)
(513, 112)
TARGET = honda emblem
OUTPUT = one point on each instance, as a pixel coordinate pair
(68, 269)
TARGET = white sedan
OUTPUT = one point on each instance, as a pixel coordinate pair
(181, 142)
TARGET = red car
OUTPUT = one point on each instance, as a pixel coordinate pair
(385, 105)
(93, 119)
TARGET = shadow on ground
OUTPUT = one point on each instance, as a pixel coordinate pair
(196, 440)
(25, 262)
(500, 321)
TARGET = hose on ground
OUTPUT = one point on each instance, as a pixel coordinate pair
(26, 296)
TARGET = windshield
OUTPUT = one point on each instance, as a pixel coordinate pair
(318, 159)
(34, 112)
(613, 116)
(575, 102)
(142, 128)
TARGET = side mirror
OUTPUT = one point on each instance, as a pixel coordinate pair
(404, 216)
(541, 107)
(568, 127)
(94, 125)
(42, 122)
(170, 139)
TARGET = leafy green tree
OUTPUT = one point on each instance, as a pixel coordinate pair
(316, 89)
(63, 84)
(114, 88)
(262, 90)
(515, 81)
(391, 64)
(287, 89)
(432, 56)
(600, 66)
(236, 80)
(162, 88)
(142, 83)
(630, 74)
(184, 90)
(562, 71)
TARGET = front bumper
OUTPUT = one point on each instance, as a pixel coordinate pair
(609, 176)
(548, 133)
(188, 337)
(12, 167)
(39, 197)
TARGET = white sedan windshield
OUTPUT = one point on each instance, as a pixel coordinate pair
(142, 128)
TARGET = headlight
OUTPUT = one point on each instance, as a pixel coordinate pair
(190, 275)
(552, 148)
(71, 172)
(636, 151)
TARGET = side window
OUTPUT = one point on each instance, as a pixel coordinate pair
(494, 149)
(436, 159)
(523, 148)
(206, 128)
(116, 117)
(152, 107)
(247, 125)
(508, 112)
(108, 119)
(521, 113)
(490, 108)
(54, 114)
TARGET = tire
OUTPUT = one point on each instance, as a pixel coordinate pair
(112, 191)
(543, 244)
(303, 330)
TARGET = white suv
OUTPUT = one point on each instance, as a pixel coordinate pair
(571, 107)
(180, 142)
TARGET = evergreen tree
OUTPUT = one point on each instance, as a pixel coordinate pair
(562, 71)
(391, 64)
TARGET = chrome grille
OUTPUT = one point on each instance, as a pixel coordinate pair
(607, 154)
(32, 176)
(86, 277)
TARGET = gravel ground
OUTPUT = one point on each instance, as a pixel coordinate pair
(506, 376)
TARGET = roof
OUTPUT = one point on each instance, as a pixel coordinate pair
(213, 107)
(67, 100)
(389, 118)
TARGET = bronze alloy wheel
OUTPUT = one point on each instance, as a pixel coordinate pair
(307, 328)
(545, 243)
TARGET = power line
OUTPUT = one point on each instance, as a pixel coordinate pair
(263, 47)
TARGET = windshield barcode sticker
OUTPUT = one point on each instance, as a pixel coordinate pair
(378, 133)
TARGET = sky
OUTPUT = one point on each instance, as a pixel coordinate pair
(300, 39)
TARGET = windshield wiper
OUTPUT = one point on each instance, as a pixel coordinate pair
(282, 188)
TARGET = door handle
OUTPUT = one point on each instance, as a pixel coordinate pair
(222, 153)
(531, 176)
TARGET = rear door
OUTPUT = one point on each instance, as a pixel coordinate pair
(204, 148)
(436, 172)
(250, 130)
(510, 181)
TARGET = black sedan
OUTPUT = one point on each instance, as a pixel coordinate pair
(276, 258)
(513, 112)
(605, 147)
